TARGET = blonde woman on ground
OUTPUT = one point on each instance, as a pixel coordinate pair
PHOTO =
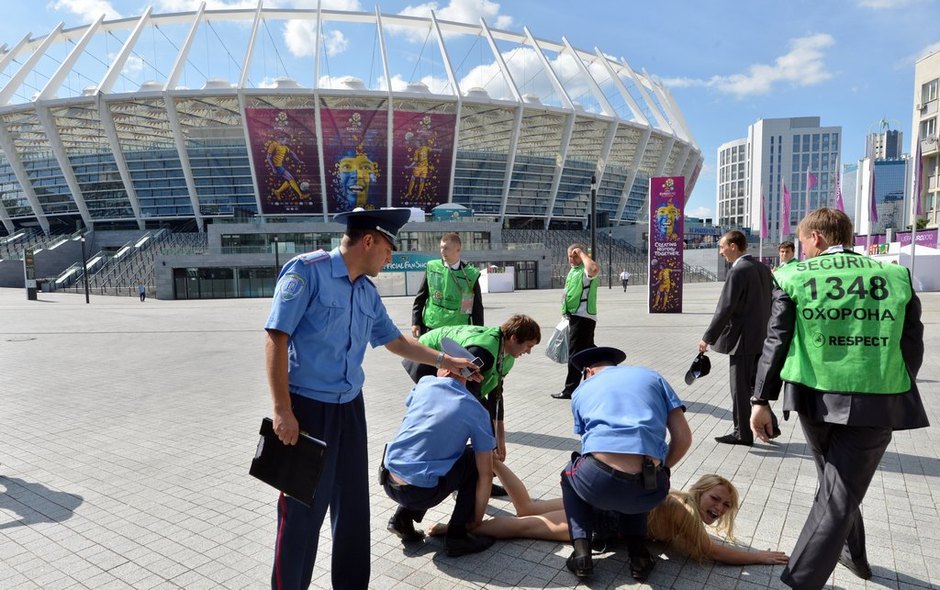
(679, 521)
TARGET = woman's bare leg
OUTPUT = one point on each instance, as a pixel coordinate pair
(519, 495)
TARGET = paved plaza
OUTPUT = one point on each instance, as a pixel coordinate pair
(127, 428)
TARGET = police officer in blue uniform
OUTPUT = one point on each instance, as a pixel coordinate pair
(324, 313)
(622, 415)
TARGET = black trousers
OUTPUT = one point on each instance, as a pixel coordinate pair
(580, 336)
(414, 502)
(743, 374)
(846, 460)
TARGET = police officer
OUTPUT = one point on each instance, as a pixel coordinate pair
(324, 313)
(580, 306)
(845, 340)
(450, 294)
(622, 415)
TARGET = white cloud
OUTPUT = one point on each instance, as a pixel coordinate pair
(803, 65)
(701, 212)
(932, 48)
(301, 37)
(885, 4)
(435, 85)
(133, 67)
(88, 10)
(336, 42)
(461, 11)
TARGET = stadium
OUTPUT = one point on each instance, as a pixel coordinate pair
(179, 122)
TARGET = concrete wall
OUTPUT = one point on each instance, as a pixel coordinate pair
(49, 264)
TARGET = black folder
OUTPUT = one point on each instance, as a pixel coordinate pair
(293, 469)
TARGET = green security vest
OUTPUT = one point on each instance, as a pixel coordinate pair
(850, 316)
(446, 289)
(488, 339)
(574, 288)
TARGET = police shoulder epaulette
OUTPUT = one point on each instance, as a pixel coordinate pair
(315, 256)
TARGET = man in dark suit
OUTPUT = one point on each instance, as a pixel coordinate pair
(739, 327)
(845, 341)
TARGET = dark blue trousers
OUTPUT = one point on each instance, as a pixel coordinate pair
(586, 484)
(343, 487)
(413, 501)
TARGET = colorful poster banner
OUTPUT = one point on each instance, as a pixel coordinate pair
(283, 144)
(422, 150)
(355, 156)
(666, 240)
(925, 237)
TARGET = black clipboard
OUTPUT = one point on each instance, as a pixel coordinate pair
(292, 469)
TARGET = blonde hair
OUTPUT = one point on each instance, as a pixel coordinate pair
(833, 225)
(678, 520)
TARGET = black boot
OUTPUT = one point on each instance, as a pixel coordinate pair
(579, 562)
(402, 526)
(641, 562)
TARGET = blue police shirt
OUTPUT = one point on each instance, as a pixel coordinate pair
(624, 410)
(441, 416)
(329, 320)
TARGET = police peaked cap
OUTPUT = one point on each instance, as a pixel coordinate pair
(599, 354)
(701, 366)
(385, 221)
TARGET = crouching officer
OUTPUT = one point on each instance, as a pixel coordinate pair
(498, 348)
(846, 341)
(429, 459)
(622, 415)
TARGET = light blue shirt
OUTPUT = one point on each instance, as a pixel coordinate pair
(329, 320)
(624, 410)
(441, 416)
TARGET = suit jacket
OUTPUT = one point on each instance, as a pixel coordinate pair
(899, 412)
(739, 325)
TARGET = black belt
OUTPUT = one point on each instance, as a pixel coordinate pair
(621, 474)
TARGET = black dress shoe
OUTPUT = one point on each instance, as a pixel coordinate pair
(775, 433)
(498, 491)
(582, 567)
(733, 439)
(403, 527)
(457, 546)
(859, 567)
(561, 395)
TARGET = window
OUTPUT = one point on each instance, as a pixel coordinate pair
(796, 143)
(928, 91)
(928, 128)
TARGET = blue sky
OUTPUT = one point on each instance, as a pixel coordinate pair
(727, 62)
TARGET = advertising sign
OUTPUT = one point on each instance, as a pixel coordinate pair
(283, 144)
(422, 149)
(355, 155)
(666, 233)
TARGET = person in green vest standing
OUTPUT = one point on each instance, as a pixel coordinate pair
(579, 304)
(498, 347)
(450, 294)
(845, 341)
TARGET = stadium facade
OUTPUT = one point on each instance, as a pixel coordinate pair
(221, 115)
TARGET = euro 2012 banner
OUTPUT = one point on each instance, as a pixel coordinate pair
(666, 242)
(356, 151)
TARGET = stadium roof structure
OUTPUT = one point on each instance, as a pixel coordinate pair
(279, 112)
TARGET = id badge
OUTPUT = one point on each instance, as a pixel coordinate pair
(466, 304)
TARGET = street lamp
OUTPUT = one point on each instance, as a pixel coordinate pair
(593, 216)
(277, 257)
(85, 271)
(610, 258)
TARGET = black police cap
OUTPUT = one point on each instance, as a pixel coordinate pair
(385, 221)
(599, 354)
(701, 366)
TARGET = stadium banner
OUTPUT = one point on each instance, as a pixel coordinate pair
(355, 153)
(283, 144)
(666, 239)
(422, 150)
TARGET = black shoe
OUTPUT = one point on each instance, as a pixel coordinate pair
(457, 546)
(582, 567)
(859, 567)
(775, 433)
(733, 439)
(641, 562)
(403, 527)
(561, 395)
(498, 491)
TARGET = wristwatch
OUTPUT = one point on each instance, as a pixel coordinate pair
(755, 401)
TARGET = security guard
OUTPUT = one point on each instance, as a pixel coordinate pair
(498, 348)
(450, 294)
(622, 415)
(846, 340)
(324, 313)
(580, 306)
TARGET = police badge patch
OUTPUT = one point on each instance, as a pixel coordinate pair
(290, 286)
